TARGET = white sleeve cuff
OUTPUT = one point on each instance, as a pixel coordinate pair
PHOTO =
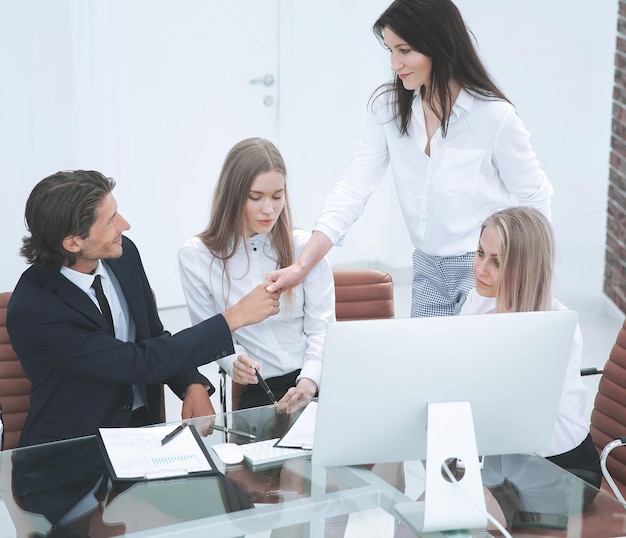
(335, 238)
(311, 370)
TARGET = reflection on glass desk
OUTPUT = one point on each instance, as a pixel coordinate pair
(66, 483)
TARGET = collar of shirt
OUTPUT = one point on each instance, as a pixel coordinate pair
(124, 325)
(477, 304)
(463, 104)
(85, 280)
(257, 241)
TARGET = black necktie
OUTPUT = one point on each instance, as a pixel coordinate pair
(102, 301)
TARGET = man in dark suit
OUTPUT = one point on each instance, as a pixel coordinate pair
(93, 361)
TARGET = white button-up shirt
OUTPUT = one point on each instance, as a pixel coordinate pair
(571, 425)
(484, 164)
(291, 340)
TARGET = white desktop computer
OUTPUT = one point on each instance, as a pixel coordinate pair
(439, 388)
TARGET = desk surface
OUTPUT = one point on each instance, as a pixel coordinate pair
(239, 501)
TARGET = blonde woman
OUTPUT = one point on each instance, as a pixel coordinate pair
(513, 269)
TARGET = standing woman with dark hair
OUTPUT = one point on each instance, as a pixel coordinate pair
(456, 147)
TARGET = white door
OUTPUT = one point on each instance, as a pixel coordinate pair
(201, 76)
(151, 92)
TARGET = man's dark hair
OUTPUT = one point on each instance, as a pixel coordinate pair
(61, 205)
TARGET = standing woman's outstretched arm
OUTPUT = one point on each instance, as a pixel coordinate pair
(284, 279)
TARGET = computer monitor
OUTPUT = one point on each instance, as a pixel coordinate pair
(380, 376)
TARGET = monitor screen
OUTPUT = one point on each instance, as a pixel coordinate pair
(380, 375)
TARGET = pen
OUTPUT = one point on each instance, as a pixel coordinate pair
(173, 434)
(265, 387)
(235, 432)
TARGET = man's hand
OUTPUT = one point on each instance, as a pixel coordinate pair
(197, 402)
(258, 305)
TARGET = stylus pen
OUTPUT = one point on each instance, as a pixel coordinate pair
(265, 387)
(235, 432)
(173, 434)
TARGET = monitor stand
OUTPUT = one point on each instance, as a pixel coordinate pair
(448, 505)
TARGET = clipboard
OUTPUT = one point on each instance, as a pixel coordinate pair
(136, 454)
(300, 434)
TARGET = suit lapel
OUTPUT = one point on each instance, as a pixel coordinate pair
(130, 281)
(132, 288)
(73, 296)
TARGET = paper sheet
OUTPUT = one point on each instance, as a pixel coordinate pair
(137, 453)
(300, 435)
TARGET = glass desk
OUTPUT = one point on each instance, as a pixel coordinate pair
(291, 499)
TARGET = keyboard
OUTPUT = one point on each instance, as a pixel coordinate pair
(265, 453)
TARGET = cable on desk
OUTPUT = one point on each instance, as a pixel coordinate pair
(490, 518)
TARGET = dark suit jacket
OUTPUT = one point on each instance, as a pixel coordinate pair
(81, 375)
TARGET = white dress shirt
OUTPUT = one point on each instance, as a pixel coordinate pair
(571, 425)
(484, 164)
(291, 340)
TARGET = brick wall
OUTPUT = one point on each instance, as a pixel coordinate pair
(615, 266)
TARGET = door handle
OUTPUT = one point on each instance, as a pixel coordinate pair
(267, 80)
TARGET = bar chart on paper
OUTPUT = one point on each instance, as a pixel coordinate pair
(154, 452)
(175, 460)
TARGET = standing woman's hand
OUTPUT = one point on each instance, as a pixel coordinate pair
(285, 279)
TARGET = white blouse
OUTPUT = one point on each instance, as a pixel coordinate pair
(571, 425)
(484, 164)
(294, 338)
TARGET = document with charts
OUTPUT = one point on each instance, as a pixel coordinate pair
(138, 453)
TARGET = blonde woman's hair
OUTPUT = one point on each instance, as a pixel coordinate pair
(226, 229)
(527, 258)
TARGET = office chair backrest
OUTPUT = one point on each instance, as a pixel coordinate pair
(14, 387)
(363, 294)
(608, 417)
(359, 294)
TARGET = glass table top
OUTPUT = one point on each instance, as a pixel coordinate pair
(66, 484)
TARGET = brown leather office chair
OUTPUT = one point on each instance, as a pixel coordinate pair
(14, 387)
(363, 294)
(608, 417)
(359, 294)
(608, 428)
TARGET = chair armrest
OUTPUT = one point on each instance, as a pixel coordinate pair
(589, 371)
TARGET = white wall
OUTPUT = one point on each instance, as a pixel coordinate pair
(553, 59)
(331, 62)
(137, 90)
